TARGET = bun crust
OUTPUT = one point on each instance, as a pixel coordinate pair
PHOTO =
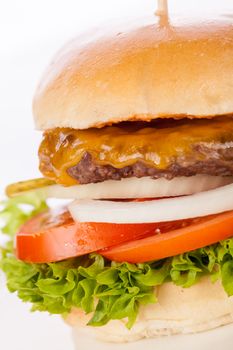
(141, 71)
(201, 307)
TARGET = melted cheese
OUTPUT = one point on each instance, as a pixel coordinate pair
(158, 145)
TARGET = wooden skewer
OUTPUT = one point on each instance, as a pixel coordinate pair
(162, 8)
(162, 12)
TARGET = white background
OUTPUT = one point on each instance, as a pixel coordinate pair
(30, 32)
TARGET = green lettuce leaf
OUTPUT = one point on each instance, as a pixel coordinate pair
(107, 290)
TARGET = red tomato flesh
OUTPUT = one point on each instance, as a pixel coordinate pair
(202, 232)
(50, 237)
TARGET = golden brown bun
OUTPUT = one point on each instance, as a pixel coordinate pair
(145, 71)
(201, 307)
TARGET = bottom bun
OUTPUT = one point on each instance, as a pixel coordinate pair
(199, 308)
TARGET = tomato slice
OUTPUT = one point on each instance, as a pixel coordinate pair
(50, 237)
(197, 234)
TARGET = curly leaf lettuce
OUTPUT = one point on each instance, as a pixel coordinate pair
(16, 211)
(107, 290)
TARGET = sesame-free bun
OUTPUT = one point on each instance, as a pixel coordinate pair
(201, 307)
(140, 71)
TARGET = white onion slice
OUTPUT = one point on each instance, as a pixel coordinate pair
(200, 204)
(137, 188)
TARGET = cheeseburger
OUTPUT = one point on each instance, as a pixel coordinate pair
(137, 128)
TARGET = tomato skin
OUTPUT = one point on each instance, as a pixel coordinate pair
(204, 232)
(50, 238)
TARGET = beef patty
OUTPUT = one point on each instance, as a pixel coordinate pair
(215, 162)
(160, 149)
